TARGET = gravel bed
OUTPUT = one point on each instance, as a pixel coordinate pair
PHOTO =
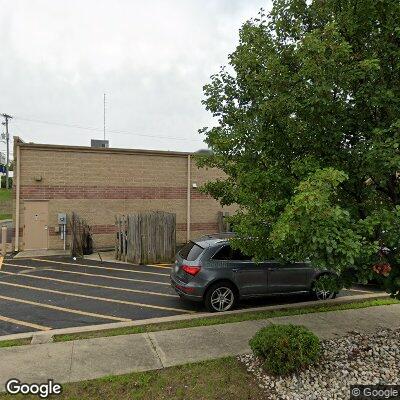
(353, 359)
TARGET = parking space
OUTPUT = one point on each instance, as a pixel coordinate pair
(50, 293)
(41, 294)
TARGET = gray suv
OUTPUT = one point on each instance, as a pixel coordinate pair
(209, 270)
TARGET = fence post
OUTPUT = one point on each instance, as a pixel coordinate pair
(227, 224)
(220, 219)
(116, 238)
(123, 229)
(119, 237)
(3, 240)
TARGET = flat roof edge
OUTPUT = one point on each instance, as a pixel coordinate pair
(87, 149)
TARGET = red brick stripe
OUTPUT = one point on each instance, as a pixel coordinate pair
(44, 192)
(210, 227)
(96, 229)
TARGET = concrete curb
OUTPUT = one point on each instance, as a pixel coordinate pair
(177, 318)
(41, 253)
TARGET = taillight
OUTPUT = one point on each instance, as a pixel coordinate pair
(191, 270)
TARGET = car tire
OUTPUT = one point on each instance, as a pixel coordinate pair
(221, 296)
(319, 293)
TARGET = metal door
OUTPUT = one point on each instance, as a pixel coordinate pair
(36, 216)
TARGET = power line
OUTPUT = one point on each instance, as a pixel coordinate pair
(89, 128)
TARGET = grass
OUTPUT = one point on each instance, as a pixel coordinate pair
(5, 194)
(223, 319)
(223, 378)
(16, 342)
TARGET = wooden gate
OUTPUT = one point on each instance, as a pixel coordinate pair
(146, 238)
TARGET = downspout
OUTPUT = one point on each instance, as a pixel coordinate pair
(17, 198)
(188, 200)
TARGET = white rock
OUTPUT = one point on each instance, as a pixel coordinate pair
(348, 360)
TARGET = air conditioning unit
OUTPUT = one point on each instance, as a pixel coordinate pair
(99, 143)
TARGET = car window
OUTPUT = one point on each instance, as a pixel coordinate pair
(238, 255)
(227, 253)
(224, 253)
(191, 251)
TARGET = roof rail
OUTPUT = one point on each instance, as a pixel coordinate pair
(222, 235)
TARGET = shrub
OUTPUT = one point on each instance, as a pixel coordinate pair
(285, 348)
(331, 282)
(3, 181)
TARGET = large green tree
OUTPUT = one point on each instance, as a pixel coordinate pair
(308, 135)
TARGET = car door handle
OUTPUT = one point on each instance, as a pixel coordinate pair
(235, 270)
(271, 269)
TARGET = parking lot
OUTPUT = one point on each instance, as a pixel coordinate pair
(51, 293)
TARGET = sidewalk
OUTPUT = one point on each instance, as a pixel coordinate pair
(94, 358)
(41, 253)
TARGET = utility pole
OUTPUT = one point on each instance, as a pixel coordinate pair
(7, 117)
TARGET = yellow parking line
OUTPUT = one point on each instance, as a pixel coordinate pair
(1, 261)
(98, 267)
(99, 275)
(68, 310)
(84, 296)
(90, 284)
(24, 323)
(165, 266)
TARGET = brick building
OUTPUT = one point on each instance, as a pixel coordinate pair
(99, 183)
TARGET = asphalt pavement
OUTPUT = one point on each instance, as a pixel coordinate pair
(41, 294)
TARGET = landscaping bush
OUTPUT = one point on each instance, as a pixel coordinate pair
(3, 181)
(285, 348)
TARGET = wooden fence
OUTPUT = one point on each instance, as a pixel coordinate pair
(223, 224)
(146, 238)
(81, 237)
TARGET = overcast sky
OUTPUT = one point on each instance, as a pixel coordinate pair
(151, 58)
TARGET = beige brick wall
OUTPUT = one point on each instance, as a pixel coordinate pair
(99, 183)
(69, 168)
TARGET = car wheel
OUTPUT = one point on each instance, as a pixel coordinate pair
(319, 292)
(221, 297)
